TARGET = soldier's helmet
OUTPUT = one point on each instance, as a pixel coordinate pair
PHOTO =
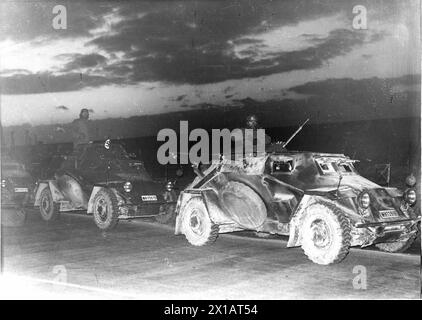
(411, 180)
(251, 121)
(84, 113)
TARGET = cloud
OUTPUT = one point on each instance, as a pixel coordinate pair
(367, 87)
(181, 57)
(178, 98)
(9, 72)
(84, 61)
(377, 97)
(179, 42)
(201, 106)
(170, 50)
(228, 89)
(49, 82)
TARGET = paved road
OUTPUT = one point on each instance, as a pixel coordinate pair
(144, 260)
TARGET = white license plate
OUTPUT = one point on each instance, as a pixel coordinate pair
(21, 189)
(149, 198)
(386, 214)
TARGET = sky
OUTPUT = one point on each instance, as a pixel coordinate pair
(129, 58)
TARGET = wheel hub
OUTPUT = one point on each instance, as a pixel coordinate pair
(195, 223)
(321, 235)
(101, 209)
(45, 204)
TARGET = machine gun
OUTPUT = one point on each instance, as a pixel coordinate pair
(294, 134)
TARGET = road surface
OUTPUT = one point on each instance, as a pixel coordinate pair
(143, 260)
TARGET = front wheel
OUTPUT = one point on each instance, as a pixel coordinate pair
(106, 211)
(196, 224)
(325, 234)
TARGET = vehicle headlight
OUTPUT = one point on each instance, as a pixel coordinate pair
(127, 186)
(364, 200)
(410, 196)
(169, 186)
(3, 183)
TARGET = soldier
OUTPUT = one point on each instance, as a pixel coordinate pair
(251, 122)
(81, 128)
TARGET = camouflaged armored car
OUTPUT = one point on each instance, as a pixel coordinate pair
(318, 200)
(104, 180)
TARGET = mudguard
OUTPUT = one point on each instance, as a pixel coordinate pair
(295, 236)
(210, 198)
(55, 191)
(295, 227)
(95, 190)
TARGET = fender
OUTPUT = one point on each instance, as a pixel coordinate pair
(295, 226)
(295, 235)
(95, 190)
(55, 192)
(210, 199)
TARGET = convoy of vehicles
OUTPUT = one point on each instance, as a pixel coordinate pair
(318, 200)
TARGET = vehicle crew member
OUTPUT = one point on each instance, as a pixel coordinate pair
(252, 123)
(81, 128)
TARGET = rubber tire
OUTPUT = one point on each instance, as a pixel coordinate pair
(398, 246)
(112, 210)
(170, 216)
(251, 202)
(54, 208)
(210, 230)
(339, 228)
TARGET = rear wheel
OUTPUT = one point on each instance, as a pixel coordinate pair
(196, 224)
(49, 210)
(325, 234)
(106, 211)
(398, 246)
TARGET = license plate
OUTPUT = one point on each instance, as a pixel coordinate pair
(21, 189)
(386, 214)
(149, 198)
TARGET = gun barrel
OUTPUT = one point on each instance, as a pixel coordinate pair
(295, 133)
